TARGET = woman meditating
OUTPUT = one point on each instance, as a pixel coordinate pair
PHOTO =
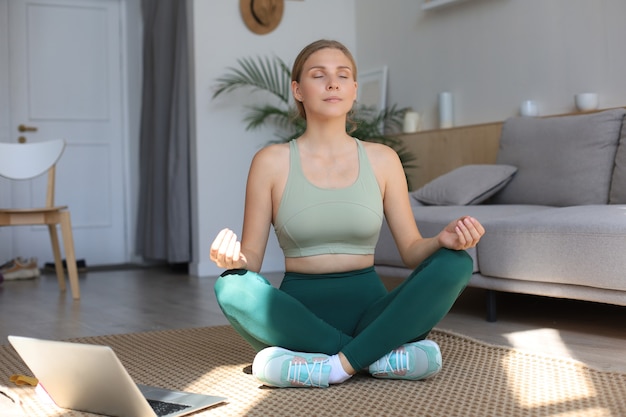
(326, 194)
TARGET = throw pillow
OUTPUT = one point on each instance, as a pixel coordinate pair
(467, 185)
(561, 161)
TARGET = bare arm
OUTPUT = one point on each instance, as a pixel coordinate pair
(460, 234)
(227, 251)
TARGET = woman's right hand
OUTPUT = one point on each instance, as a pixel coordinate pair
(226, 251)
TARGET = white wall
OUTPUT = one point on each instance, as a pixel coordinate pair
(223, 148)
(492, 54)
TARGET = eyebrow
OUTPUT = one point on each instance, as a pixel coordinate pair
(341, 67)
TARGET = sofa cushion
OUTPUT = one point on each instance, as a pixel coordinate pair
(466, 185)
(618, 183)
(580, 245)
(432, 219)
(561, 161)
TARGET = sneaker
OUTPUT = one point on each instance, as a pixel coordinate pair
(278, 367)
(414, 361)
(20, 268)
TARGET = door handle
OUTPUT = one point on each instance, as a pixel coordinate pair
(24, 128)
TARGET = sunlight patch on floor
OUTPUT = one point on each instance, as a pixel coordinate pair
(539, 340)
(556, 382)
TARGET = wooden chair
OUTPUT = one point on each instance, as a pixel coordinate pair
(29, 160)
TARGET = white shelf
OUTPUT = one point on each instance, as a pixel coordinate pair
(432, 4)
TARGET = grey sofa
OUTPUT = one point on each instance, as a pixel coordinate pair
(553, 206)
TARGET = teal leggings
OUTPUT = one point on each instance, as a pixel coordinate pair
(348, 312)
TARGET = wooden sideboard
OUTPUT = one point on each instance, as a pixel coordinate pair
(440, 151)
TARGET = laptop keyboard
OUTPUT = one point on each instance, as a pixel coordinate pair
(162, 408)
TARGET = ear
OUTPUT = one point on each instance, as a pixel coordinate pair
(295, 90)
(356, 90)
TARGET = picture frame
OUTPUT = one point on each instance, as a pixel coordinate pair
(372, 90)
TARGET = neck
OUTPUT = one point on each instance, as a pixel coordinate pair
(326, 133)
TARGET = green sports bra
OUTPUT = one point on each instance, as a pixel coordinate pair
(316, 221)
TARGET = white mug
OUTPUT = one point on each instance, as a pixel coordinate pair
(586, 101)
(411, 122)
(529, 108)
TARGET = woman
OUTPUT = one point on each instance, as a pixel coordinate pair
(326, 194)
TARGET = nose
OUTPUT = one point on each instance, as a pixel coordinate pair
(333, 85)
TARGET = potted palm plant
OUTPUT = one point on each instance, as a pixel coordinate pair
(273, 76)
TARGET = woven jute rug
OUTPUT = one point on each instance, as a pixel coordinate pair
(477, 379)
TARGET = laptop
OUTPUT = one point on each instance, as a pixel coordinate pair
(91, 378)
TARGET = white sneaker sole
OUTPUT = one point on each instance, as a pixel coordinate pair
(21, 274)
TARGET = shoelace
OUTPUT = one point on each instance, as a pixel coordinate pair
(402, 361)
(7, 264)
(17, 261)
(299, 367)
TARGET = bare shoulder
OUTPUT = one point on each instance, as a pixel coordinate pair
(272, 155)
(271, 162)
(380, 154)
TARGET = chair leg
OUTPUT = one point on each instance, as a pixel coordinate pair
(56, 251)
(70, 256)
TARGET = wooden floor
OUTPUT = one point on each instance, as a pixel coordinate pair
(141, 299)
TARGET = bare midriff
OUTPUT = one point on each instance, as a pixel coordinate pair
(328, 263)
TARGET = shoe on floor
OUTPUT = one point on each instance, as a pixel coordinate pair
(278, 367)
(20, 268)
(81, 266)
(414, 361)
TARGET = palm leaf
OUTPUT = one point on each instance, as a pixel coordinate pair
(265, 74)
(259, 115)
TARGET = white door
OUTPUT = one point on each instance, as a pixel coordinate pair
(65, 82)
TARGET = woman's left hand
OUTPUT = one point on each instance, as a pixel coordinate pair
(461, 234)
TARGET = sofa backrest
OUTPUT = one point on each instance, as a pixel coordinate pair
(562, 161)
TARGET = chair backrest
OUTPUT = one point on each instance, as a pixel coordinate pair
(20, 161)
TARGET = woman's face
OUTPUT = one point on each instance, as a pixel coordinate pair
(327, 87)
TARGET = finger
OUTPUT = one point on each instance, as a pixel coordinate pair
(230, 248)
(237, 252)
(217, 242)
(476, 229)
(234, 258)
(218, 239)
(479, 227)
(463, 227)
(473, 233)
(460, 235)
(226, 247)
(219, 250)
